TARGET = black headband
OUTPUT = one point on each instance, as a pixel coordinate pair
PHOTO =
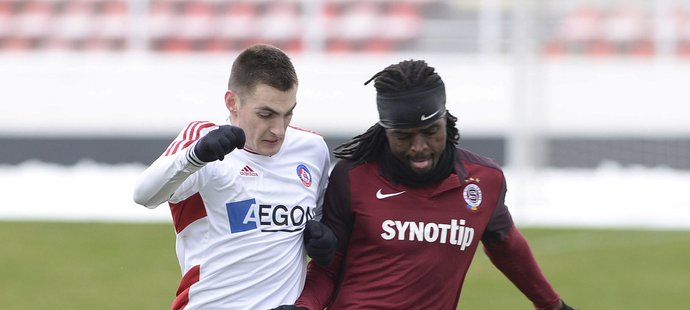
(412, 109)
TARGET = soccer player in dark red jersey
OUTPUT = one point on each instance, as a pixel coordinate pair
(409, 209)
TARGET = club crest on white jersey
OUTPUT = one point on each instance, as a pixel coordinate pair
(304, 175)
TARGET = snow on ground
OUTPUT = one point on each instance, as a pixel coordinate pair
(86, 191)
(610, 196)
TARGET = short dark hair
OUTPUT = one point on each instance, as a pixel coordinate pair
(261, 64)
(404, 76)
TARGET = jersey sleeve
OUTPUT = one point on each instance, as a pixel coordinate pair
(321, 282)
(168, 177)
(323, 182)
(513, 257)
(501, 221)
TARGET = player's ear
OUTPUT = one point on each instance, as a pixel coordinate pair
(231, 103)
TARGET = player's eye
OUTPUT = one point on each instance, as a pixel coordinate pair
(403, 136)
(431, 131)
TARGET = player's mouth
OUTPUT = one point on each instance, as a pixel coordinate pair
(421, 164)
(271, 141)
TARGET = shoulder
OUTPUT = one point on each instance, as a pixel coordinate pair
(471, 165)
(344, 166)
(306, 145)
(303, 130)
(468, 157)
(301, 136)
(188, 135)
(195, 129)
(340, 174)
(302, 133)
(197, 126)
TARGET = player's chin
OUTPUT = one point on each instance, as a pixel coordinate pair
(270, 148)
(420, 171)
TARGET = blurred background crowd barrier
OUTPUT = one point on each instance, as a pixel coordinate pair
(635, 28)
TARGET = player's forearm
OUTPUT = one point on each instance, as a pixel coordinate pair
(160, 180)
(514, 258)
(320, 284)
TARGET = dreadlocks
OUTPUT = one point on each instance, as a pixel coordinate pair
(408, 75)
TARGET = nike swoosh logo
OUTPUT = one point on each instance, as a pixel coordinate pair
(381, 195)
(424, 117)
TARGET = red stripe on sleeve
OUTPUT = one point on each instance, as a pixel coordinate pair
(187, 211)
(197, 134)
(187, 136)
(182, 296)
(173, 145)
(188, 133)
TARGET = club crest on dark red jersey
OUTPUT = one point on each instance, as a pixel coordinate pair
(473, 196)
(304, 175)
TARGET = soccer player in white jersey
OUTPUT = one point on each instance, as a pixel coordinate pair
(245, 194)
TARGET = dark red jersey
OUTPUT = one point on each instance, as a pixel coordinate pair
(404, 247)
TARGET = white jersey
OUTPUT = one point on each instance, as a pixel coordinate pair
(239, 221)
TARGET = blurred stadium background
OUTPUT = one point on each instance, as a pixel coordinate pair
(584, 102)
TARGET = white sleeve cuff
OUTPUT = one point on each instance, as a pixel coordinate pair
(191, 156)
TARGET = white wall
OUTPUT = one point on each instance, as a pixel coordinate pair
(114, 95)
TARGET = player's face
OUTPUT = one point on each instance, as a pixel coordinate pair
(264, 116)
(420, 147)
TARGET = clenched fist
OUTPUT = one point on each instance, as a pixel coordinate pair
(218, 143)
(320, 242)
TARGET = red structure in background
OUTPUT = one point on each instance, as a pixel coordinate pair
(590, 30)
(181, 26)
(342, 26)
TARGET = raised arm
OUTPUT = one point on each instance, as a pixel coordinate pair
(190, 151)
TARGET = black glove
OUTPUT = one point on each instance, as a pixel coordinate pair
(289, 307)
(320, 242)
(219, 142)
(566, 307)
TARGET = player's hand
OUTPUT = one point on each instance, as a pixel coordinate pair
(289, 307)
(320, 242)
(219, 142)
